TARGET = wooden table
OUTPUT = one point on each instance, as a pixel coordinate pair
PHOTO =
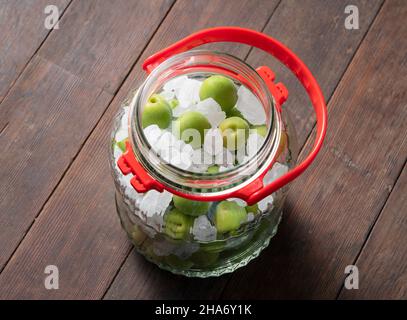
(60, 88)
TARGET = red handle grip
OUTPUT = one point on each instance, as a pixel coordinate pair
(280, 52)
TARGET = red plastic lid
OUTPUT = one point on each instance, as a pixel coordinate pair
(252, 190)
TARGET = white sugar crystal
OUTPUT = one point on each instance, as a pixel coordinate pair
(156, 221)
(175, 85)
(177, 158)
(152, 133)
(121, 134)
(155, 203)
(167, 95)
(250, 217)
(203, 230)
(165, 142)
(200, 157)
(253, 144)
(181, 109)
(263, 204)
(212, 111)
(124, 121)
(276, 171)
(239, 201)
(187, 150)
(199, 168)
(250, 107)
(225, 158)
(213, 143)
(189, 92)
(129, 190)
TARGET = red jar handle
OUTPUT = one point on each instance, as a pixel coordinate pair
(280, 52)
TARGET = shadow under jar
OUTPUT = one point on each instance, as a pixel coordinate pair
(199, 209)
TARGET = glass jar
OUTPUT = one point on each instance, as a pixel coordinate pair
(197, 223)
(203, 251)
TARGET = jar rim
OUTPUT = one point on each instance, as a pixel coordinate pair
(203, 183)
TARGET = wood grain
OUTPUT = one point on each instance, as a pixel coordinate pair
(333, 205)
(127, 284)
(383, 262)
(315, 32)
(46, 126)
(103, 39)
(22, 31)
(78, 229)
(50, 111)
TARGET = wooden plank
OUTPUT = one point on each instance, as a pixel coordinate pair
(104, 38)
(315, 32)
(128, 283)
(22, 32)
(383, 262)
(53, 110)
(76, 229)
(333, 205)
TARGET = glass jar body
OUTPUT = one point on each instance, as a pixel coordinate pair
(201, 250)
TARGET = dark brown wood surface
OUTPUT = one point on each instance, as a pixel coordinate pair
(60, 89)
(22, 32)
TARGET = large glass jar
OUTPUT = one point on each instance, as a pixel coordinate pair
(193, 243)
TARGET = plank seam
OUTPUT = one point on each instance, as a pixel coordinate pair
(13, 83)
(263, 28)
(308, 138)
(84, 141)
(45, 202)
(145, 47)
(373, 225)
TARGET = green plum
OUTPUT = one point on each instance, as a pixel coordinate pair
(253, 209)
(122, 144)
(191, 126)
(204, 259)
(177, 224)
(137, 235)
(235, 132)
(221, 89)
(190, 207)
(213, 169)
(229, 216)
(177, 262)
(260, 130)
(173, 103)
(157, 111)
(213, 246)
(234, 112)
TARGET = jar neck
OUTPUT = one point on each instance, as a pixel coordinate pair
(193, 62)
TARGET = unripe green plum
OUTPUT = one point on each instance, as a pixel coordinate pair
(213, 169)
(221, 89)
(191, 126)
(156, 111)
(173, 103)
(235, 132)
(229, 216)
(260, 130)
(177, 224)
(122, 144)
(190, 207)
(253, 209)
